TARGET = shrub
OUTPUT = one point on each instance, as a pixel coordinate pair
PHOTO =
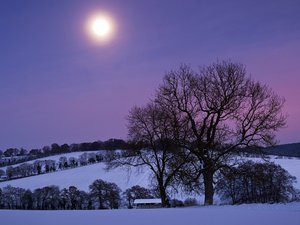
(253, 182)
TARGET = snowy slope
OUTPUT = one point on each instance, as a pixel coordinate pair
(258, 214)
(82, 177)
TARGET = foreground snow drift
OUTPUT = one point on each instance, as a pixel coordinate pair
(258, 214)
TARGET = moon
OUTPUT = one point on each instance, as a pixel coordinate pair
(100, 27)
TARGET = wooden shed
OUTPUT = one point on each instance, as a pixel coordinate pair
(147, 203)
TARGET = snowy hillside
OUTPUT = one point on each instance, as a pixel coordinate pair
(56, 157)
(82, 177)
(258, 214)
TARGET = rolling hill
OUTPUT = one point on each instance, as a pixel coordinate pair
(82, 177)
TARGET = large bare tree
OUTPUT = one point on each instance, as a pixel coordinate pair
(223, 110)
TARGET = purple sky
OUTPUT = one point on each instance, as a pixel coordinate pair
(57, 86)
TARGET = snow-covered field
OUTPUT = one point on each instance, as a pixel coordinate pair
(82, 177)
(254, 214)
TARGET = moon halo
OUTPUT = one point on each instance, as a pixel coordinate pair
(100, 27)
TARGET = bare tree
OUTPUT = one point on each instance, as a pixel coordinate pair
(46, 198)
(224, 111)
(106, 194)
(12, 197)
(151, 130)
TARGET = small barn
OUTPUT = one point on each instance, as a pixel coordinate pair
(146, 203)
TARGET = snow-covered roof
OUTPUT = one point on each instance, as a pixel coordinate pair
(147, 201)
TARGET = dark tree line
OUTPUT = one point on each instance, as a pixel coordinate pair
(52, 198)
(198, 123)
(101, 195)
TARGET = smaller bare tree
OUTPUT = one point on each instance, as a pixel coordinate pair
(152, 131)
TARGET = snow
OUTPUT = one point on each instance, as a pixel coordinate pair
(258, 214)
(82, 177)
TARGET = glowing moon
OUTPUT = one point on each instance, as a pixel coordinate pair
(100, 27)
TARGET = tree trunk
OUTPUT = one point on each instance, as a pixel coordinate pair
(101, 206)
(208, 187)
(163, 196)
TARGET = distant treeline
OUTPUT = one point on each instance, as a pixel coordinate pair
(289, 150)
(15, 155)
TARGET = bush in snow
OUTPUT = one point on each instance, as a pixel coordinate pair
(10, 172)
(38, 166)
(63, 163)
(50, 166)
(2, 173)
(176, 203)
(92, 158)
(253, 182)
(73, 162)
(190, 202)
(83, 159)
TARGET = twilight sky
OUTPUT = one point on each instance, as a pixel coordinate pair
(58, 86)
